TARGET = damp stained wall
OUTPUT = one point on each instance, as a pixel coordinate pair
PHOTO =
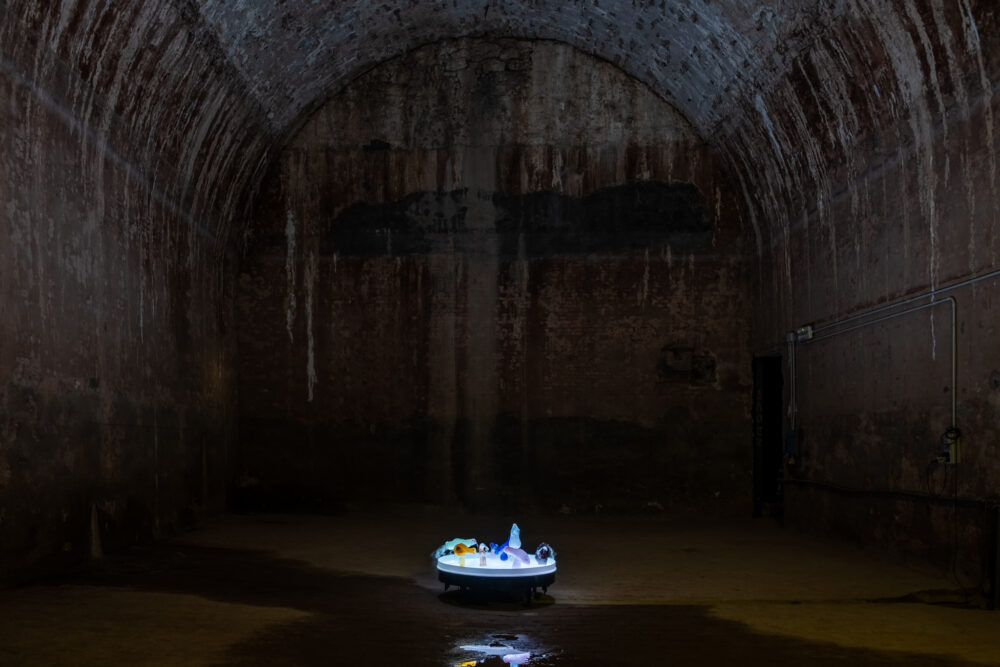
(870, 169)
(116, 277)
(860, 136)
(500, 273)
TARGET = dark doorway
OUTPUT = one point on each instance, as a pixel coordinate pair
(767, 443)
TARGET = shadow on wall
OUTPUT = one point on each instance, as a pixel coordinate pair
(569, 327)
(632, 216)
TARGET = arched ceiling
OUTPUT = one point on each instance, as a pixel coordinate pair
(200, 95)
(700, 55)
(786, 91)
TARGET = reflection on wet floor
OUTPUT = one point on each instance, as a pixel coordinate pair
(500, 649)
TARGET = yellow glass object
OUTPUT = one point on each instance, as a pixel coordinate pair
(461, 550)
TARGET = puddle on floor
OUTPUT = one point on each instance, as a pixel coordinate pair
(500, 649)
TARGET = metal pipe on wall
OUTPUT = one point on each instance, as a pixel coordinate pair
(932, 294)
(913, 299)
(878, 315)
(792, 341)
(926, 306)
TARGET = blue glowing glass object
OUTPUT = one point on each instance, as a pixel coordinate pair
(515, 537)
(514, 540)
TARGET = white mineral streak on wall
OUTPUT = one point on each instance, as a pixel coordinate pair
(931, 172)
(309, 280)
(198, 174)
(954, 69)
(752, 213)
(837, 92)
(947, 39)
(816, 162)
(776, 209)
(132, 47)
(906, 67)
(835, 85)
(758, 103)
(973, 46)
(557, 167)
(290, 275)
(935, 87)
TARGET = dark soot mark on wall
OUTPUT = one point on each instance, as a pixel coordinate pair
(632, 216)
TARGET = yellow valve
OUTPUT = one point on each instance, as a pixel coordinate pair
(951, 446)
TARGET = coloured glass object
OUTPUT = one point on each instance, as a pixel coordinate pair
(449, 546)
(461, 551)
(519, 556)
(495, 560)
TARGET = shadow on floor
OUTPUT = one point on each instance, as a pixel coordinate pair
(359, 619)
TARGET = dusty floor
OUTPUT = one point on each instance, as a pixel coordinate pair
(360, 589)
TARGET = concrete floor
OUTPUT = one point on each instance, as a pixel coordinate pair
(360, 589)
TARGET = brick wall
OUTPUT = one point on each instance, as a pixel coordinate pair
(870, 168)
(116, 276)
(463, 280)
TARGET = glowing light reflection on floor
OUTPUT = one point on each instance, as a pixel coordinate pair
(513, 650)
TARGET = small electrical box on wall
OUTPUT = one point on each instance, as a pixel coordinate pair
(951, 446)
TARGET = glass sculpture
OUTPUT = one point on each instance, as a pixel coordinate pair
(493, 565)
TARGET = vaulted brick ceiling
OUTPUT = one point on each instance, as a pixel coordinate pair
(787, 91)
(700, 55)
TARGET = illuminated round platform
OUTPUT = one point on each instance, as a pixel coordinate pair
(497, 574)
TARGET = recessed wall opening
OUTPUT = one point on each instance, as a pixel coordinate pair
(768, 441)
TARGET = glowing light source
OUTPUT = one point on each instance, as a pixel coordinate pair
(505, 566)
(496, 567)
